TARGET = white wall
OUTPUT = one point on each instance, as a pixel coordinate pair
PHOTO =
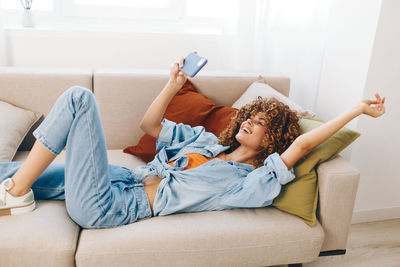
(3, 60)
(376, 153)
(84, 49)
(361, 58)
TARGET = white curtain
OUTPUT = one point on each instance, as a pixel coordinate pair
(286, 36)
(2, 45)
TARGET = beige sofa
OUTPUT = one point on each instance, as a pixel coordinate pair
(242, 237)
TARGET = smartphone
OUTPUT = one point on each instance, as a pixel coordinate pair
(192, 64)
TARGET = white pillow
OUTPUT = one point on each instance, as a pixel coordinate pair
(15, 123)
(259, 88)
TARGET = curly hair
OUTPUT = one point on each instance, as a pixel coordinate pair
(282, 127)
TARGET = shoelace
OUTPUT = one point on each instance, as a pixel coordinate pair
(4, 188)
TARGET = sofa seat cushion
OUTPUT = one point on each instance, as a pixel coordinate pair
(43, 237)
(248, 237)
(47, 236)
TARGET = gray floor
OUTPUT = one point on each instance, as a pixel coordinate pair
(369, 244)
(373, 244)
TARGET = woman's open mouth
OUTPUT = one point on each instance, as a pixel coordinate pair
(244, 129)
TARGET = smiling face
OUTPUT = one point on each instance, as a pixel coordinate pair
(252, 132)
(248, 129)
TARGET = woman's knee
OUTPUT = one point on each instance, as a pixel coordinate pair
(78, 97)
(80, 94)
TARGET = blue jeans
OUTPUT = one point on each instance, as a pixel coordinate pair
(97, 194)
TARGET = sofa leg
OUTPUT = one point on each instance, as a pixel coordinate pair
(332, 252)
(323, 253)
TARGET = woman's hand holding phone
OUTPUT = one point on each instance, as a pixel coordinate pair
(178, 78)
(151, 122)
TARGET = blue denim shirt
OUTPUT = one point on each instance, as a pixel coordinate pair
(215, 185)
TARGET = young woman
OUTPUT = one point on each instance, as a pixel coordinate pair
(193, 171)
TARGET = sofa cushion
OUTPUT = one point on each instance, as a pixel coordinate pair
(260, 88)
(300, 197)
(14, 124)
(248, 237)
(188, 107)
(43, 237)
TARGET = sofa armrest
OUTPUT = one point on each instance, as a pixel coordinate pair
(338, 182)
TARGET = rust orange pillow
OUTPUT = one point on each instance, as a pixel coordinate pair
(190, 107)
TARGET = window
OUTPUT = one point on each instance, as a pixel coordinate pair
(209, 16)
(132, 3)
(44, 5)
(122, 9)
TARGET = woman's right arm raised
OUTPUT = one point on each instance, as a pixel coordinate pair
(151, 122)
(306, 142)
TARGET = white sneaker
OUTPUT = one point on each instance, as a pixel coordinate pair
(12, 205)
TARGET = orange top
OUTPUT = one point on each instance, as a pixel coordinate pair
(195, 160)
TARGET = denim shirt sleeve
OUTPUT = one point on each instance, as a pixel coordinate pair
(260, 186)
(279, 169)
(174, 133)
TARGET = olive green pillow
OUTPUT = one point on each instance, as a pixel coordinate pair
(300, 197)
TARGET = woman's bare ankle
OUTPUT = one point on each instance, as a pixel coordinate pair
(16, 191)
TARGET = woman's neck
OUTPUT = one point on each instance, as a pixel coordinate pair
(240, 154)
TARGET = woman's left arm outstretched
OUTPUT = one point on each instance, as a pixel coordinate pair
(305, 143)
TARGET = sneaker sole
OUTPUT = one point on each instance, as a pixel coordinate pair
(18, 210)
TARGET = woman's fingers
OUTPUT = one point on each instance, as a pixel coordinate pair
(174, 69)
(174, 65)
(380, 105)
(179, 64)
(370, 102)
(378, 97)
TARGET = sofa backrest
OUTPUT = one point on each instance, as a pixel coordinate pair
(38, 89)
(123, 95)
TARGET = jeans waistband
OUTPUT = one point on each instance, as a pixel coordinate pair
(142, 209)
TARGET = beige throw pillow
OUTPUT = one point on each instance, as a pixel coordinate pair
(15, 123)
(259, 88)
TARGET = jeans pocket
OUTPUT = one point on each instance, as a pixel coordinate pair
(118, 205)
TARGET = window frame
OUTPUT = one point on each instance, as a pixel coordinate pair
(65, 16)
(69, 9)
